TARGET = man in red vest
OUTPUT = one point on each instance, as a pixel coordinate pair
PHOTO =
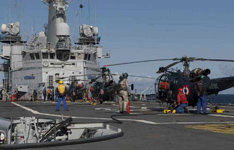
(181, 101)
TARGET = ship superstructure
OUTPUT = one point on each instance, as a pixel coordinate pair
(50, 55)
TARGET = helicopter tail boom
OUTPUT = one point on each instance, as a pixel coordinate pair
(220, 84)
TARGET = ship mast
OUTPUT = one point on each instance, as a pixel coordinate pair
(57, 15)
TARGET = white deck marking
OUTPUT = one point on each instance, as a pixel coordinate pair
(217, 115)
(117, 110)
(131, 120)
(190, 123)
(171, 114)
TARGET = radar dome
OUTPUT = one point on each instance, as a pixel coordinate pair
(4, 28)
(63, 29)
(11, 28)
(88, 31)
(41, 34)
(95, 31)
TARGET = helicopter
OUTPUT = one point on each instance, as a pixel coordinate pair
(167, 84)
(102, 87)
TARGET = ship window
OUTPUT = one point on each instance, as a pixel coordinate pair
(24, 54)
(50, 81)
(45, 55)
(32, 56)
(52, 55)
(37, 55)
(56, 77)
(85, 57)
(94, 56)
(89, 55)
(73, 56)
(80, 56)
(62, 55)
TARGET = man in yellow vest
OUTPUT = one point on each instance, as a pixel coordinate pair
(61, 90)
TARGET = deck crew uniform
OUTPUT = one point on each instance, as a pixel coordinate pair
(44, 93)
(61, 90)
(203, 85)
(49, 96)
(4, 95)
(181, 101)
(123, 94)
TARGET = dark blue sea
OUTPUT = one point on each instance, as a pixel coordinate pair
(223, 99)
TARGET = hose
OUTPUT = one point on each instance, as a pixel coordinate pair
(113, 117)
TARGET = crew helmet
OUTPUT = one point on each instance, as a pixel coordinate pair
(180, 90)
(61, 82)
(125, 75)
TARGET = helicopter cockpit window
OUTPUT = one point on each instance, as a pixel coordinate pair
(32, 56)
(164, 78)
(163, 82)
(162, 85)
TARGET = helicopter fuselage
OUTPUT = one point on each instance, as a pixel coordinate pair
(167, 85)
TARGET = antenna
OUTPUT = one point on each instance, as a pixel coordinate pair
(89, 11)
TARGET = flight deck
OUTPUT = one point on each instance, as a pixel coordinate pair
(147, 127)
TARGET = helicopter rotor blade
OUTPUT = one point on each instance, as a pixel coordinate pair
(204, 59)
(162, 69)
(135, 76)
(134, 62)
(77, 76)
(95, 79)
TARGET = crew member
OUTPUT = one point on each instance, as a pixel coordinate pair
(56, 95)
(44, 92)
(4, 95)
(31, 95)
(181, 101)
(203, 85)
(34, 95)
(101, 96)
(52, 94)
(62, 91)
(170, 100)
(203, 82)
(123, 93)
(49, 97)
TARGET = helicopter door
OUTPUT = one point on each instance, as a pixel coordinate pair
(161, 86)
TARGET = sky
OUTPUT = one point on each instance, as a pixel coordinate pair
(139, 30)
